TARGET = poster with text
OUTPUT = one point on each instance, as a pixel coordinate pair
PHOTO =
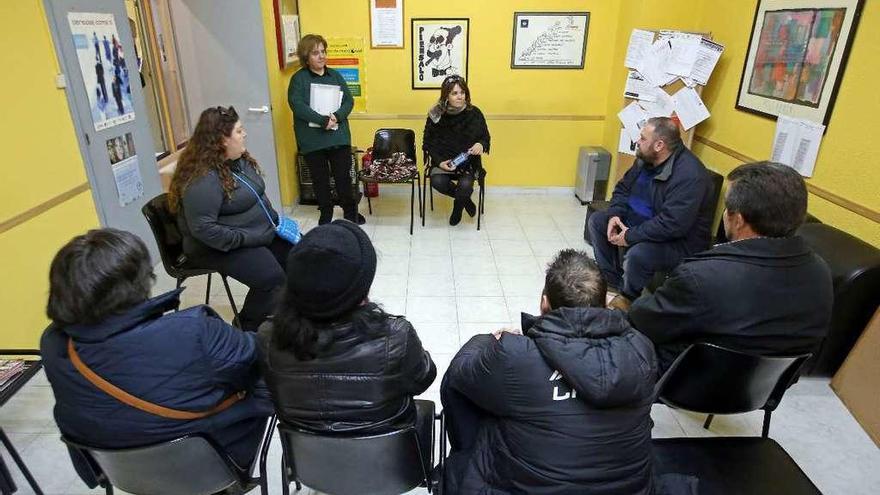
(102, 63)
(346, 56)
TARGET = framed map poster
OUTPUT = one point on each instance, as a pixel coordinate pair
(549, 40)
(796, 57)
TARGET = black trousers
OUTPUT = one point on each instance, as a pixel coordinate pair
(321, 163)
(459, 187)
(464, 420)
(262, 269)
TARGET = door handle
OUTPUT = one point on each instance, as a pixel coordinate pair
(262, 109)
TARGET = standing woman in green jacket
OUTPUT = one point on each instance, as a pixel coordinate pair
(323, 139)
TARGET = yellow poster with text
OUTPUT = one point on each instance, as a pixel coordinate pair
(346, 55)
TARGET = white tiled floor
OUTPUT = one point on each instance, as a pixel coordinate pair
(455, 282)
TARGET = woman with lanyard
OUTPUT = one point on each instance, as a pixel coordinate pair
(226, 220)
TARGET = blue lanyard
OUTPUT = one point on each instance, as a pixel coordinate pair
(258, 197)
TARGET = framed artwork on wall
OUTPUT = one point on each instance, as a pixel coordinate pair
(549, 40)
(439, 49)
(796, 57)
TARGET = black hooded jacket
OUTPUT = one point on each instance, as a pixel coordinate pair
(570, 406)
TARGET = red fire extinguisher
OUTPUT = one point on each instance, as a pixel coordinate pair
(371, 189)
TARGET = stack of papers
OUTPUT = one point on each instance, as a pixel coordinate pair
(673, 55)
(796, 144)
(324, 99)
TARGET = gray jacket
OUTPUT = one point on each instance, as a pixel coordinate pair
(208, 220)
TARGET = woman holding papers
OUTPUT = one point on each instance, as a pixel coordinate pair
(223, 214)
(455, 136)
(321, 102)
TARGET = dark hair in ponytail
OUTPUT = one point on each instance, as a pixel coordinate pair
(293, 332)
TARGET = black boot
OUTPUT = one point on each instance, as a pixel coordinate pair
(455, 218)
(470, 207)
(326, 216)
(356, 218)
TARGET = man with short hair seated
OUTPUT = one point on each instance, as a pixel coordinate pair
(195, 372)
(564, 408)
(764, 292)
(661, 211)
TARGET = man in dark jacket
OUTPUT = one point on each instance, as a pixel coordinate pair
(764, 292)
(563, 409)
(661, 211)
(189, 360)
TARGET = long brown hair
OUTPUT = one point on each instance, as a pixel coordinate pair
(205, 152)
(448, 85)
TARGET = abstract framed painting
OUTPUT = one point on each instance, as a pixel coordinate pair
(796, 57)
(439, 49)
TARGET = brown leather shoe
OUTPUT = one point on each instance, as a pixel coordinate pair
(620, 302)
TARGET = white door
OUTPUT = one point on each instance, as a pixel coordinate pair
(222, 57)
(96, 51)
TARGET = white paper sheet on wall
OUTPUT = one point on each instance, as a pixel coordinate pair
(684, 53)
(633, 118)
(796, 143)
(707, 57)
(689, 108)
(626, 144)
(661, 106)
(639, 43)
(638, 88)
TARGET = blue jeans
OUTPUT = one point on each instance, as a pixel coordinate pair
(631, 271)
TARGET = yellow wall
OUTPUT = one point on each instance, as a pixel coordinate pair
(844, 167)
(42, 161)
(524, 152)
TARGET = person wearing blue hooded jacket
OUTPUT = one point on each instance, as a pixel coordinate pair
(188, 361)
(563, 408)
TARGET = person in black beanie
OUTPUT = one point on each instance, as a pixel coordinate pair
(334, 361)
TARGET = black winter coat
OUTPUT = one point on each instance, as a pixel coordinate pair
(454, 134)
(208, 220)
(363, 379)
(769, 296)
(681, 198)
(570, 403)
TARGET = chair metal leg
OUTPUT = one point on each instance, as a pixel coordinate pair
(708, 422)
(419, 189)
(369, 204)
(208, 292)
(431, 192)
(765, 428)
(425, 187)
(412, 200)
(231, 300)
(264, 453)
(20, 463)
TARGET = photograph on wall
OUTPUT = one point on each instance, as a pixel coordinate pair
(796, 57)
(439, 49)
(102, 63)
(346, 56)
(549, 40)
(126, 171)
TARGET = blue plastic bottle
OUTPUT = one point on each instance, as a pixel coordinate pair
(458, 160)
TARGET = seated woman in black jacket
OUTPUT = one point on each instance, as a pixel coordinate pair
(335, 362)
(454, 127)
(216, 192)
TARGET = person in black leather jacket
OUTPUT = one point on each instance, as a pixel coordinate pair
(335, 362)
(226, 220)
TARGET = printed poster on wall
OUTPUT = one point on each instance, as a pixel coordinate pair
(439, 50)
(126, 172)
(102, 63)
(346, 56)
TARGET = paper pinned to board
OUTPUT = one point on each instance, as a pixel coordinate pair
(633, 118)
(626, 144)
(661, 106)
(707, 57)
(796, 143)
(684, 53)
(653, 65)
(639, 43)
(689, 108)
(638, 88)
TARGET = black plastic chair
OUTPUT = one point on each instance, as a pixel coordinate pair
(714, 380)
(428, 192)
(710, 379)
(389, 463)
(170, 243)
(385, 143)
(190, 465)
